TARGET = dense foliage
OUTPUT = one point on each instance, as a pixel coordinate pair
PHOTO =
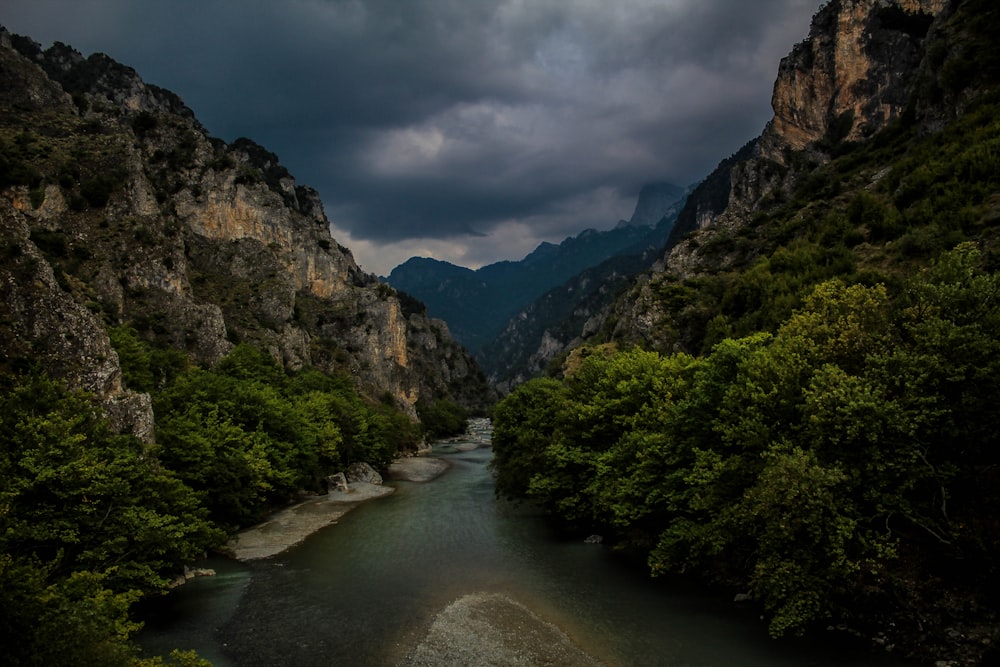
(246, 437)
(88, 523)
(91, 521)
(846, 462)
(442, 418)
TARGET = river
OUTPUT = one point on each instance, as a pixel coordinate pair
(366, 590)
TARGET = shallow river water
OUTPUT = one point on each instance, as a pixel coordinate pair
(365, 591)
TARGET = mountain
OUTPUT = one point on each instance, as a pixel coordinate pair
(655, 200)
(478, 304)
(834, 178)
(566, 315)
(118, 209)
(798, 398)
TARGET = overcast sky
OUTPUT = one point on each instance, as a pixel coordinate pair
(466, 130)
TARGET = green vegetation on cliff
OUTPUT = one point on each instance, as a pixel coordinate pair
(246, 436)
(802, 404)
(874, 212)
(184, 348)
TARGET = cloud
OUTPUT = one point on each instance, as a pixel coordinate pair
(466, 130)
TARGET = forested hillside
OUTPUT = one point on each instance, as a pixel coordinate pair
(799, 404)
(184, 349)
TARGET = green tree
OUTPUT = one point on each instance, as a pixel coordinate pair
(523, 425)
(442, 418)
(89, 522)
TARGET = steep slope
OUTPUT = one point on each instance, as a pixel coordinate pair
(835, 184)
(118, 208)
(478, 304)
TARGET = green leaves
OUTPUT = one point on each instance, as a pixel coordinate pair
(523, 426)
(803, 530)
(247, 437)
(88, 523)
(442, 418)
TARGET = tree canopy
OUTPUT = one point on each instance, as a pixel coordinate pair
(847, 461)
(91, 521)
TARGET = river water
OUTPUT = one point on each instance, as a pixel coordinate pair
(365, 591)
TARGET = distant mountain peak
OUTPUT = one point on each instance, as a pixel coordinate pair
(653, 202)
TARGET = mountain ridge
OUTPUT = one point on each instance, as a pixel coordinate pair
(478, 304)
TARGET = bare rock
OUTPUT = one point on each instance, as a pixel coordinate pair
(362, 472)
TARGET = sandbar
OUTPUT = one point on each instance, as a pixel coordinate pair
(493, 630)
(417, 468)
(287, 527)
(291, 525)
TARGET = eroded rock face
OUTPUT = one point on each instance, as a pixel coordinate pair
(134, 215)
(43, 324)
(853, 75)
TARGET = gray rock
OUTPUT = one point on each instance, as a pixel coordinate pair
(362, 472)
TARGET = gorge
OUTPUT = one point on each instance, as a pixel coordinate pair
(785, 391)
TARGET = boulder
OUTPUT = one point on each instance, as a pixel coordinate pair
(362, 472)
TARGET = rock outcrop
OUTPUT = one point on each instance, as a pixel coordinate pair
(855, 73)
(117, 208)
(859, 70)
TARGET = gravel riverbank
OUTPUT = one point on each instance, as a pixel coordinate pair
(287, 527)
(492, 630)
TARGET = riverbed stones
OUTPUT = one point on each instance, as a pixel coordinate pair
(493, 630)
(416, 468)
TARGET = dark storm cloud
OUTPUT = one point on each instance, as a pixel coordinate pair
(441, 121)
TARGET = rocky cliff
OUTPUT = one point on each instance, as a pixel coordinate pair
(117, 207)
(855, 73)
(867, 66)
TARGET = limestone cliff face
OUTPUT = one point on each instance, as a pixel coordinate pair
(856, 72)
(117, 208)
(853, 75)
(42, 323)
